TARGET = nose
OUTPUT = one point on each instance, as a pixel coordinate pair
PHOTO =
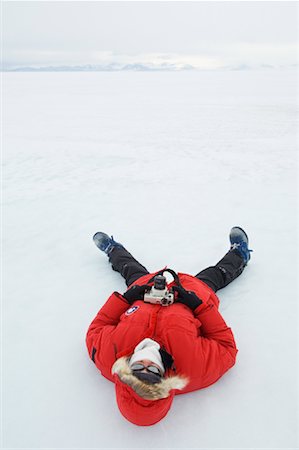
(147, 362)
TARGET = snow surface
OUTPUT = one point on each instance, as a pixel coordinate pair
(167, 163)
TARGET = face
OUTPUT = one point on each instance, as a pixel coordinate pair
(146, 363)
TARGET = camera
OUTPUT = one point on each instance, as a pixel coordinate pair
(159, 294)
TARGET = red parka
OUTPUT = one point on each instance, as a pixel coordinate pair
(200, 343)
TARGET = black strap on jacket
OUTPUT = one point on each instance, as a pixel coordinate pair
(172, 272)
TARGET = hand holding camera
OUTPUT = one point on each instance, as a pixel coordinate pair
(188, 298)
(160, 295)
(136, 293)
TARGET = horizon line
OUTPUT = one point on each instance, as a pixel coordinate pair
(139, 67)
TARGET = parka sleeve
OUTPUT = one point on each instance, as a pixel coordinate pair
(215, 350)
(214, 327)
(105, 321)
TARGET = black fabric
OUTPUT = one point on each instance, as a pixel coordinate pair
(166, 357)
(94, 350)
(188, 298)
(224, 272)
(136, 293)
(123, 262)
(149, 378)
(216, 277)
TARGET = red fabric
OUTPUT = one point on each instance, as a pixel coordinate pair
(138, 410)
(200, 342)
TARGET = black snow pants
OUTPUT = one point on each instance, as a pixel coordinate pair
(216, 277)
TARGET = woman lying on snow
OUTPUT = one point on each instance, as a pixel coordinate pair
(157, 339)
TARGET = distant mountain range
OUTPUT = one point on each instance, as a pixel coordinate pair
(114, 67)
(137, 67)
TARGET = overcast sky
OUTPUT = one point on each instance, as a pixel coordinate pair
(204, 34)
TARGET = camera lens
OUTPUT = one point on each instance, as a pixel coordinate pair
(159, 282)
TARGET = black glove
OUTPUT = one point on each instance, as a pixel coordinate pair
(188, 298)
(136, 293)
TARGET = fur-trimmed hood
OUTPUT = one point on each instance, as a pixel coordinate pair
(139, 402)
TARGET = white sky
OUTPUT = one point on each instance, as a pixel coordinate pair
(205, 34)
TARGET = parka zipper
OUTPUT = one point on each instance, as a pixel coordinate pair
(156, 321)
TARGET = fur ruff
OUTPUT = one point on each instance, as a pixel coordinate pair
(147, 391)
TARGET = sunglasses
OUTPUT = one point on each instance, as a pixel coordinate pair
(151, 369)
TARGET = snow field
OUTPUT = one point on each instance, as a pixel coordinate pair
(167, 163)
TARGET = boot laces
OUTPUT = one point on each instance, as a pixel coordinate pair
(240, 246)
